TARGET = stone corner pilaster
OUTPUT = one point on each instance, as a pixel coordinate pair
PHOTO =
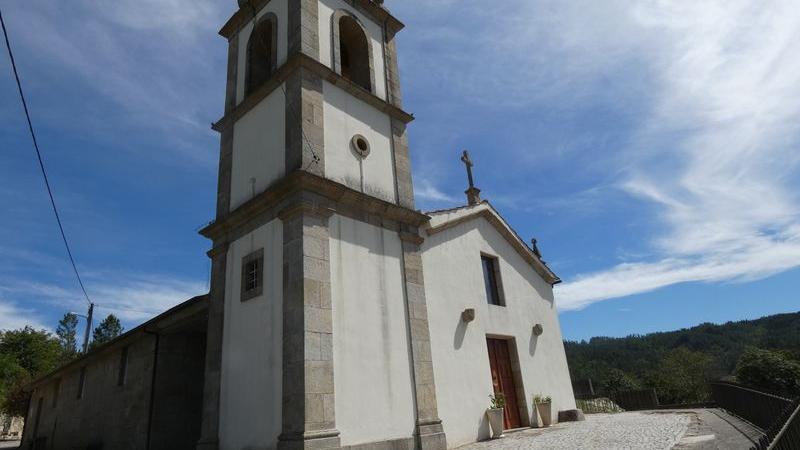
(429, 432)
(209, 427)
(308, 378)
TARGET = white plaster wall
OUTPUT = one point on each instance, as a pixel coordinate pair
(374, 33)
(281, 9)
(346, 116)
(258, 148)
(454, 282)
(252, 352)
(373, 386)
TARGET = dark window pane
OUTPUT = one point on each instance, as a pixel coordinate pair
(490, 280)
(354, 53)
(81, 382)
(259, 56)
(123, 367)
(252, 275)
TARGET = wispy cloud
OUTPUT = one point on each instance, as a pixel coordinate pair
(711, 154)
(130, 296)
(718, 155)
(129, 58)
(425, 190)
(13, 317)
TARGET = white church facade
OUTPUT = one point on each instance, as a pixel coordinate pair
(339, 316)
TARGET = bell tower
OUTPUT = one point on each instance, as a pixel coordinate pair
(317, 333)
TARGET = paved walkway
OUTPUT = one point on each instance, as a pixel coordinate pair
(657, 430)
(9, 444)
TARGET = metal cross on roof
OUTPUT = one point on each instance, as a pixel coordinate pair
(468, 162)
(473, 193)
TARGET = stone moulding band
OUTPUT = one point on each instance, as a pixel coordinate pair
(305, 61)
(329, 197)
(309, 435)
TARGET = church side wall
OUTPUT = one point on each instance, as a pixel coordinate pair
(374, 32)
(107, 414)
(346, 116)
(373, 384)
(259, 140)
(281, 10)
(453, 283)
(179, 391)
(252, 351)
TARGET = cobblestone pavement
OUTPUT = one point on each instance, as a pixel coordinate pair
(634, 431)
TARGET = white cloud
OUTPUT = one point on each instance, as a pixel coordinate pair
(13, 317)
(715, 86)
(133, 298)
(152, 65)
(425, 190)
(143, 298)
(718, 155)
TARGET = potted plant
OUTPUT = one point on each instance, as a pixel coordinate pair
(544, 408)
(495, 414)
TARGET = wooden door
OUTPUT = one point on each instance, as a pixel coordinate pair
(503, 380)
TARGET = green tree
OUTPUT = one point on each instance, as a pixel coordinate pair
(67, 332)
(682, 377)
(24, 355)
(36, 351)
(108, 329)
(615, 380)
(771, 370)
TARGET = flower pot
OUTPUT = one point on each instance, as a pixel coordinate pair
(545, 413)
(495, 422)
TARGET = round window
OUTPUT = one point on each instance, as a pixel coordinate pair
(360, 145)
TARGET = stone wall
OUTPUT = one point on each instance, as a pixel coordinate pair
(105, 415)
(179, 391)
(114, 410)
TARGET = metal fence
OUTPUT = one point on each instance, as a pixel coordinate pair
(777, 416)
(639, 400)
(759, 408)
(788, 437)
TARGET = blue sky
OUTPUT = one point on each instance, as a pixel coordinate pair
(650, 147)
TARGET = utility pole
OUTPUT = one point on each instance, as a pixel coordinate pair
(88, 328)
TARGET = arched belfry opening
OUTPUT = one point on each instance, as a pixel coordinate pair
(261, 53)
(353, 47)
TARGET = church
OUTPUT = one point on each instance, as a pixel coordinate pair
(339, 316)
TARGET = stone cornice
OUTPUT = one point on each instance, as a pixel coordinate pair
(380, 14)
(305, 61)
(337, 198)
(540, 267)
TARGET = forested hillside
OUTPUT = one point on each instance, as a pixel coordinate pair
(679, 363)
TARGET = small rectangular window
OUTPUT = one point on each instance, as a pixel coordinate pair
(56, 389)
(491, 280)
(252, 275)
(123, 367)
(81, 382)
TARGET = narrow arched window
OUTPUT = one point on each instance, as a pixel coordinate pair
(354, 55)
(261, 54)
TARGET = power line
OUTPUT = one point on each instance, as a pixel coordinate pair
(39, 157)
(124, 309)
